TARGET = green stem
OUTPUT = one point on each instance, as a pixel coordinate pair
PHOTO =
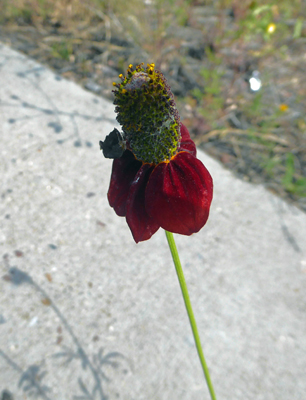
(192, 320)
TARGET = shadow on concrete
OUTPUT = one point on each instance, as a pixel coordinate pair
(31, 379)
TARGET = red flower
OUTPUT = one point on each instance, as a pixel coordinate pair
(156, 181)
(174, 195)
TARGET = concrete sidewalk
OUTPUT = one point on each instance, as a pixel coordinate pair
(85, 313)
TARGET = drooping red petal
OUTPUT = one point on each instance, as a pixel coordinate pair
(179, 193)
(123, 173)
(141, 224)
(186, 143)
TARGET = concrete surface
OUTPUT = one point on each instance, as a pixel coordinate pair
(85, 313)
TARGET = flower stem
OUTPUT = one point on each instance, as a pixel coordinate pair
(192, 320)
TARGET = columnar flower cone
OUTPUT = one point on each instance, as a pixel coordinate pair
(156, 180)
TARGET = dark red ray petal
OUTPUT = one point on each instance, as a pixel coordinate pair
(123, 173)
(186, 143)
(141, 224)
(179, 193)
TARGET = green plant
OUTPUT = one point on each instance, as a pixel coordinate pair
(22, 13)
(298, 28)
(211, 101)
(293, 182)
(62, 50)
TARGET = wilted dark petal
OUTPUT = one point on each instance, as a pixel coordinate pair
(179, 194)
(141, 224)
(123, 173)
(186, 143)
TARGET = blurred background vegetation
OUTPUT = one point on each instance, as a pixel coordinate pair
(237, 69)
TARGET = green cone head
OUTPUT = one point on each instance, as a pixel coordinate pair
(148, 115)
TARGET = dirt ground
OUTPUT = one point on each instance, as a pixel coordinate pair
(210, 59)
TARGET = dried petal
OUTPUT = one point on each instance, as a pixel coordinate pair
(123, 173)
